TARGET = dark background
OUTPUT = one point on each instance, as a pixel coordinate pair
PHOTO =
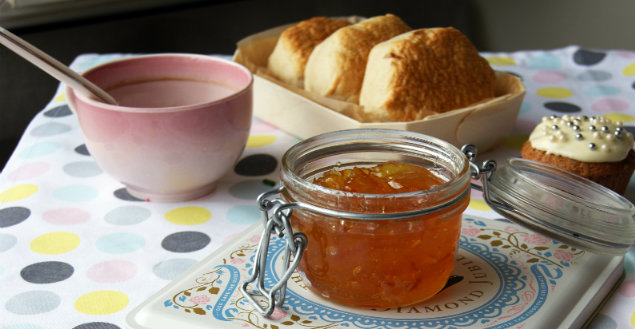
(214, 27)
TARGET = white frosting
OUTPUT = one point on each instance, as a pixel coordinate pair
(587, 139)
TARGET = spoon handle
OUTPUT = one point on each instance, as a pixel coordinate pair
(52, 66)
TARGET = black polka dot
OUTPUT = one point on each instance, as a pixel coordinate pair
(82, 149)
(123, 194)
(256, 165)
(96, 325)
(562, 107)
(58, 112)
(13, 215)
(588, 57)
(269, 182)
(185, 241)
(47, 272)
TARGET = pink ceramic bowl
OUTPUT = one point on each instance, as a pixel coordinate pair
(182, 121)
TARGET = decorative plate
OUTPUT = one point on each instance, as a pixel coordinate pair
(504, 277)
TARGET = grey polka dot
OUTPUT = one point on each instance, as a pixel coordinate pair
(47, 272)
(13, 215)
(171, 269)
(7, 241)
(595, 75)
(82, 169)
(50, 129)
(33, 302)
(127, 215)
(187, 241)
(97, 325)
(58, 112)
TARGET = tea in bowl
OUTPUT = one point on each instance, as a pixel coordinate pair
(180, 123)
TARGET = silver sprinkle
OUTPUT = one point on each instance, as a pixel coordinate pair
(592, 146)
(576, 128)
(569, 123)
(579, 137)
(604, 129)
(620, 129)
(554, 127)
(592, 128)
(585, 118)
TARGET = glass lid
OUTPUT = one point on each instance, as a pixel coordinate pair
(561, 205)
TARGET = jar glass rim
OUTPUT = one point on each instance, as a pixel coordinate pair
(365, 139)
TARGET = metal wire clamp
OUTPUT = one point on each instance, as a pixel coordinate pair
(484, 173)
(276, 215)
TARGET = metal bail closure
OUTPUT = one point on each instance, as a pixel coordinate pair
(276, 215)
(556, 203)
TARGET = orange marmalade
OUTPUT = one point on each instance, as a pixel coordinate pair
(379, 263)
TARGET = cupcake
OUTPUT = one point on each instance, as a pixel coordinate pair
(592, 147)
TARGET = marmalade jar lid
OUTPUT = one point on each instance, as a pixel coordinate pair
(561, 205)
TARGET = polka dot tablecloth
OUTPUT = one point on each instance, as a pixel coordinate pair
(77, 251)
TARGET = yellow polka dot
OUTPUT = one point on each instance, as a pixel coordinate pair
(188, 215)
(102, 302)
(620, 117)
(629, 70)
(55, 243)
(479, 205)
(514, 142)
(554, 92)
(633, 319)
(260, 140)
(501, 61)
(18, 192)
(60, 98)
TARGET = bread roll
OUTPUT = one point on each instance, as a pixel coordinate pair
(336, 66)
(295, 44)
(423, 72)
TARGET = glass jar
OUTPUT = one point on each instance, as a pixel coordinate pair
(376, 250)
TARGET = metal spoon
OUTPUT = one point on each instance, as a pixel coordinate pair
(53, 67)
